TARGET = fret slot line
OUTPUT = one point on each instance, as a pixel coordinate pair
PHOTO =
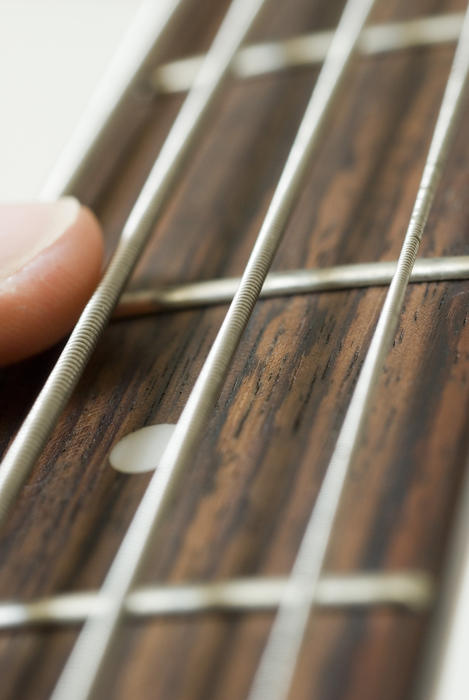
(82, 668)
(412, 590)
(278, 662)
(288, 283)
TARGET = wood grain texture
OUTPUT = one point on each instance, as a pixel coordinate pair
(244, 501)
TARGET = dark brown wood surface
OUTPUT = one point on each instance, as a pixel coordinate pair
(244, 501)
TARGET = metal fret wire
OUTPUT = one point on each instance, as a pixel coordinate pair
(121, 78)
(40, 421)
(309, 49)
(220, 291)
(80, 673)
(412, 589)
(275, 672)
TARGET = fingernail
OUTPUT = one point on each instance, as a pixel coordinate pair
(28, 229)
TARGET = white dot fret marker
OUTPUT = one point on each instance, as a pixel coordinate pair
(141, 450)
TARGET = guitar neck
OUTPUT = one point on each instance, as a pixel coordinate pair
(220, 557)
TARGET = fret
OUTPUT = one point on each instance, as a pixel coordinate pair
(222, 291)
(310, 49)
(413, 590)
(275, 672)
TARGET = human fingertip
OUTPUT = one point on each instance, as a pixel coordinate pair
(50, 262)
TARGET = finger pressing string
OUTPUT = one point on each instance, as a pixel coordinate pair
(50, 262)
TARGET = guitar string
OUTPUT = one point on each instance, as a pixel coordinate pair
(413, 590)
(310, 49)
(124, 74)
(292, 282)
(41, 419)
(149, 28)
(82, 668)
(275, 672)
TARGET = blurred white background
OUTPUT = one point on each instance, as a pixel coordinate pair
(52, 54)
